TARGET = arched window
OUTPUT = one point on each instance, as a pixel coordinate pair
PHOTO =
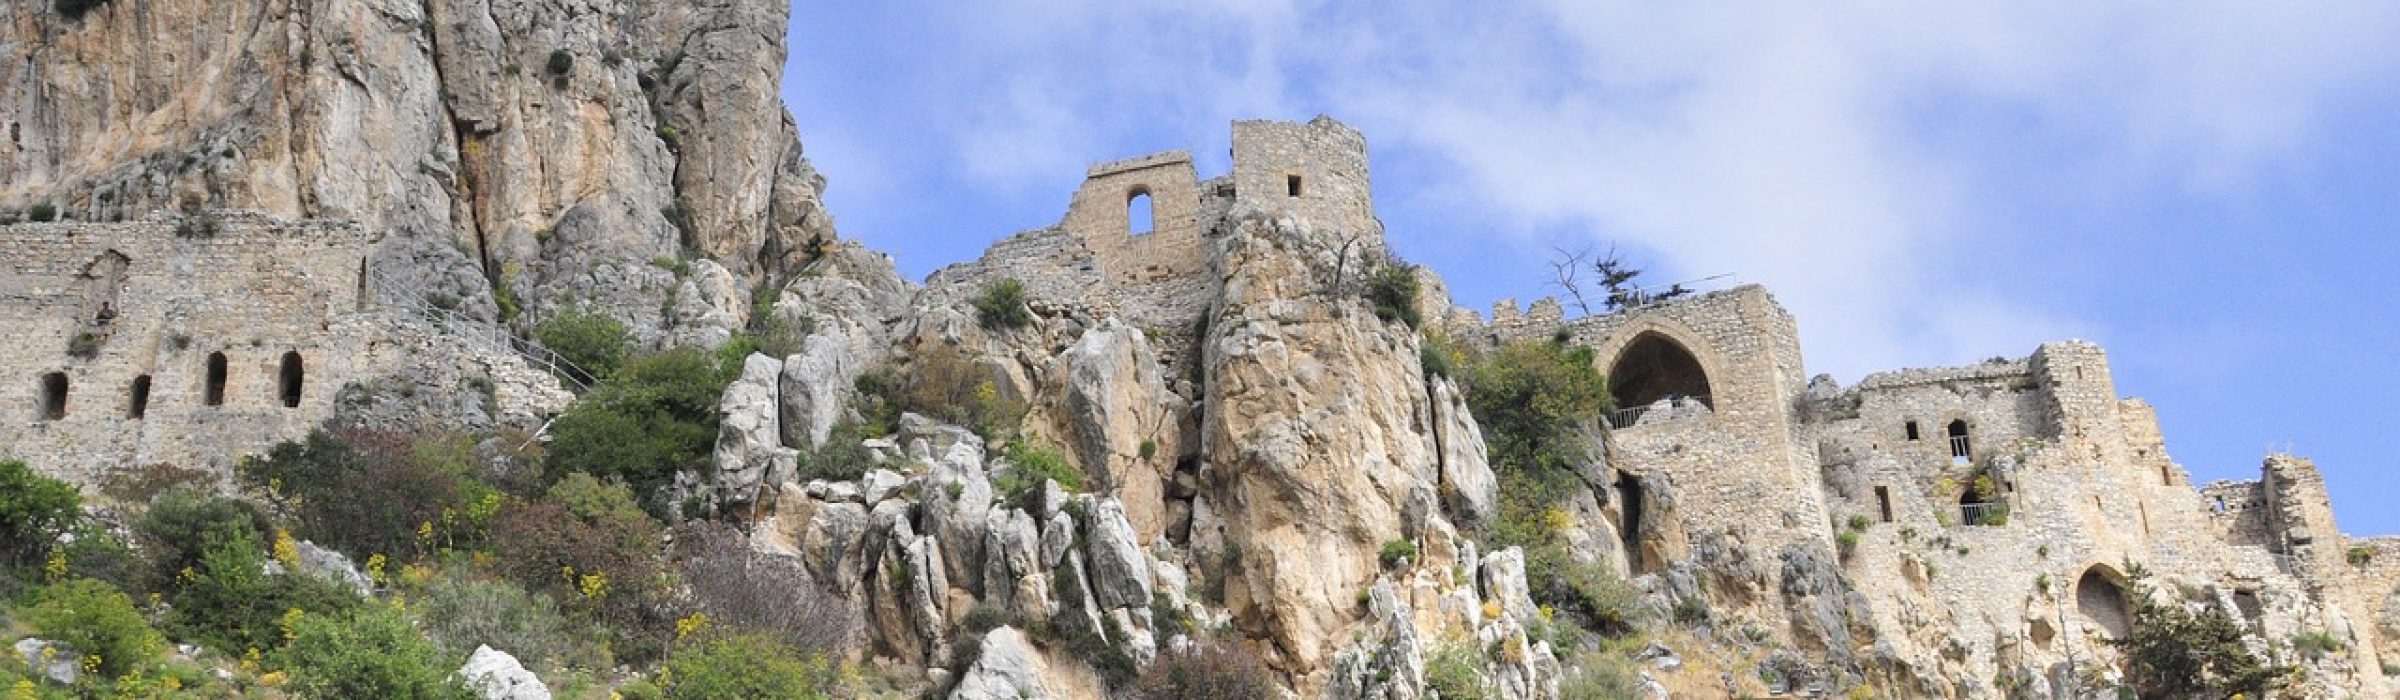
(137, 401)
(213, 392)
(102, 279)
(287, 380)
(1139, 216)
(2101, 600)
(1651, 368)
(54, 396)
(1959, 449)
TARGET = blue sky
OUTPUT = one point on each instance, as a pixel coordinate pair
(2209, 190)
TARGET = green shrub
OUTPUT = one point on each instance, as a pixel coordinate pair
(560, 62)
(95, 552)
(97, 621)
(744, 667)
(231, 604)
(83, 346)
(593, 342)
(2360, 555)
(1001, 306)
(1453, 672)
(1847, 541)
(2317, 644)
(1029, 466)
(1397, 553)
(34, 511)
(458, 613)
(1859, 522)
(1435, 362)
(1220, 671)
(45, 211)
(1601, 675)
(426, 497)
(178, 522)
(841, 458)
(369, 652)
(1392, 289)
(942, 382)
(652, 418)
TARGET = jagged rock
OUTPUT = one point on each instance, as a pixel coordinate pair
(1014, 578)
(1058, 538)
(1009, 669)
(1119, 419)
(495, 675)
(332, 566)
(1470, 488)
(1388, 660)
(750, 448)
(1312, 432)
(815, 388)
(53, 660)
(1503, 579)
(1120, 571)
(880, 484)
(1659, 656)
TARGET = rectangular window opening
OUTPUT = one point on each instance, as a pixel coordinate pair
(1883, 501)
(1291, 185)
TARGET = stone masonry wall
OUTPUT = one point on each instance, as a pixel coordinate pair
(254, 292)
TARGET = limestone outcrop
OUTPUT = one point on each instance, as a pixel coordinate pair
(524, 157)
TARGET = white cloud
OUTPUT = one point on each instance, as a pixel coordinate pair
(1788, 143)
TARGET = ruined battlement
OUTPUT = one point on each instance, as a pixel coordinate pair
(1103, 259)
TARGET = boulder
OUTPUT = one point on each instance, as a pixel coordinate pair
(1120, 571)
(52, 660)
(814, 389)
(495, 675)
(1009, 669)
(1468, 485)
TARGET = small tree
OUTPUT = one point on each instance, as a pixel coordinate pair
(2174, 652)
(34, 511)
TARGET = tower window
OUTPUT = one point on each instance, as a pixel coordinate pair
(54, 396)
(1291, 185)
(1959, 448)
(1883, 501)
(1912, 430)
(213, 393)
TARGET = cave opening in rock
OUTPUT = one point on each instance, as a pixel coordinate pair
(1629, 522)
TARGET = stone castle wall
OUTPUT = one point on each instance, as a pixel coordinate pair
(115, 307)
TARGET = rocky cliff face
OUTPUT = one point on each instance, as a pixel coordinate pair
(524, 157)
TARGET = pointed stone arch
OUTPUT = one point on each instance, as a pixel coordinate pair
(1653, 365)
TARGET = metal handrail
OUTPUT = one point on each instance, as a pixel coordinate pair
(1623, 418)
(492, 335)
(1974, 513)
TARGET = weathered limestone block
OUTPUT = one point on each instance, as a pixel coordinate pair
(1120, 571)
(1009, 669)
(496, 675)
(1114, 412)
(750, 450)
(1468, 485)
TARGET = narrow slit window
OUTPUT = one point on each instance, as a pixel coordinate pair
(1291, 185)
(1883, 501)
(54, 396)
(213, 393)
(1912, 430)
(137, 401)
(287, 380)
